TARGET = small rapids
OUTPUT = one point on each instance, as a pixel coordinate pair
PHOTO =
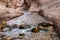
(26, 27)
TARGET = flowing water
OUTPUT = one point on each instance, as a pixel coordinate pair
(26, 34)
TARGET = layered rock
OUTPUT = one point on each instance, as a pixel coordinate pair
(51, 11)
(8, 13)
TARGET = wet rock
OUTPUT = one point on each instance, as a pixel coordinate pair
(21, 36)
(2, 25)
(24, 26)
(35, 30)
(6, 14)
(45, 24)
(7, 38)
(6, 29)
(50, 28)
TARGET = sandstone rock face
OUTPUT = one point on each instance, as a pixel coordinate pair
(3, 2)
(52, 12)
(8, 13)
(8, 9)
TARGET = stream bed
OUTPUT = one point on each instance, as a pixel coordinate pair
(28, 27)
